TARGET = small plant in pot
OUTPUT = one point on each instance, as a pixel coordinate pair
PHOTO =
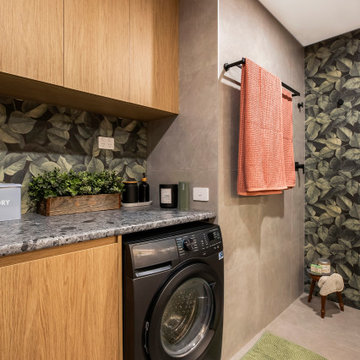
(58, 193)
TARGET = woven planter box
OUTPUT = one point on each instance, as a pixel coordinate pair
(63, 205)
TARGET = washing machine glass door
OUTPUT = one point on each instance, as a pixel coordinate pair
(186, 317)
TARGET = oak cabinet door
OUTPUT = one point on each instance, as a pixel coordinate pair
(62, 307)
(31, 41)
(96, 57)
(154, 53)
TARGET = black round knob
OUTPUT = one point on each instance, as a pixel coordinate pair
(188, 245)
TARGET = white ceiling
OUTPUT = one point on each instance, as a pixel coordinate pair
(311, 21)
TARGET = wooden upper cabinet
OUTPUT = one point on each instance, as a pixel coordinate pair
(31, 40)
(96, 47)
(154, 54)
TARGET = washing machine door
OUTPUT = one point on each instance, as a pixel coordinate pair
(185, 315)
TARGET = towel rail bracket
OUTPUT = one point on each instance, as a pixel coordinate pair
(299, 166)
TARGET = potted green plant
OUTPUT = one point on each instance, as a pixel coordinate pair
(59, 193)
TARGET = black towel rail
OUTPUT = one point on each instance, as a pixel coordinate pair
(242, 62)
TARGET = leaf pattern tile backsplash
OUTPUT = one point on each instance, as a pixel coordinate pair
(39, 137)
(332, 224)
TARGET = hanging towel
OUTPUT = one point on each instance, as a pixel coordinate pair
(261, 168)
(288, 138)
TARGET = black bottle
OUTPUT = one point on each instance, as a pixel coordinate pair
(144, 190)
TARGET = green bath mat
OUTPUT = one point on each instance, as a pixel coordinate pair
(271, 347)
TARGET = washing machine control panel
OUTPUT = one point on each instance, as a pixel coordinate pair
(201, 243)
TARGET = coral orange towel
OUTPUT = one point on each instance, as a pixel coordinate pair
(288, 138)
(261, 165)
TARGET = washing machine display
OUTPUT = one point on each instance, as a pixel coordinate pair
(173, 305)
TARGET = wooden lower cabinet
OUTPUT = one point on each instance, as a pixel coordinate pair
(65, 306)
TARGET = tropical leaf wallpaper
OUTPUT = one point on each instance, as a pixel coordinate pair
(38, 137)
(332, 227)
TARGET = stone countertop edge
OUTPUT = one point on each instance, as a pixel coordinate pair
(35, 232)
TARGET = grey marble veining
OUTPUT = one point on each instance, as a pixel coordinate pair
(34, 231)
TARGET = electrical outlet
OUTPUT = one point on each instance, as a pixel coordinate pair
(106, 143)
(200, 194)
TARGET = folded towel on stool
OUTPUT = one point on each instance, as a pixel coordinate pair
(330, 284)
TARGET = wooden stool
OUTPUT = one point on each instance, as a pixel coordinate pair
(316, 278)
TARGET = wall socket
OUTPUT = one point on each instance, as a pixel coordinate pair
(106, 143)
(200, 194)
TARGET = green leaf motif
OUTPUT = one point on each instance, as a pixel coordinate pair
(106, 128)
(335, 181)
(61, 121)
(323, 233)
(326, 153)
(14, 163)
(343, 270)
(352, 154)
(323, 168)
(355, 141)
(352, 257)
(312, 66)
(346, 243)
(323, 250)
(352, 84)
(355, 70)
(333, 210)
(337, 248)
(58, 136)
(344, 133)
(344, 202)
(8, 136)
(326, 86)
(352, 187)
(325, 218)
(352, 117)
(352, 294)
(312, 194)
(19, 123)
(355, 211)
(352, 46)
(352, 224)
(355, 282)
(312, 131)
(310, 227)
(37, 112)
(310, 99)
(95, 165)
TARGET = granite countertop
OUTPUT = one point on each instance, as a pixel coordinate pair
(34, 231)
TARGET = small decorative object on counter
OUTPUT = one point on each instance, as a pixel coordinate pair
(144, 190)
(168, 195)
(324, 265)
(184, 196)
(131, 192)
(10, 201)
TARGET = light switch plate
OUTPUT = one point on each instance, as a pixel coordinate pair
(106, 143)
(200, 194)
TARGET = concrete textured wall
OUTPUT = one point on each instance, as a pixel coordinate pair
(263, 236)
(185, 148)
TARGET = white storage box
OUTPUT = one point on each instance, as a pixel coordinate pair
(10, 201)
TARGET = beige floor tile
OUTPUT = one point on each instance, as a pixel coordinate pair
(336, 337)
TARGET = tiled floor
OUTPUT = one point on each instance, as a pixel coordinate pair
(336, 337)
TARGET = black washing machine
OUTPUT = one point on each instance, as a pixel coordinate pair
(173, 293)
